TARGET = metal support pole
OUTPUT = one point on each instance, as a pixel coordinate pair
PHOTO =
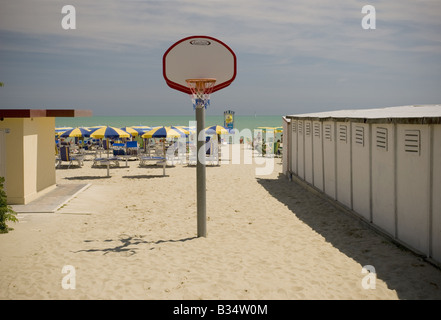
(200, 171)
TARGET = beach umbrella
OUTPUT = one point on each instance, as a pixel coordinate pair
(92, 129)
(274, 129)
(163, 132)
(141, 129)
(266, 128)
(62, 129)
(187, 128)
(181, 129)
(130, 130)
(109, 132)
(216, 130)
(76, 132)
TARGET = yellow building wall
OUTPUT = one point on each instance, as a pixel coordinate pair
(30, 166)
(46, 176)
(14, 178)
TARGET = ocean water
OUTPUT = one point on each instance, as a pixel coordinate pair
(240, 122)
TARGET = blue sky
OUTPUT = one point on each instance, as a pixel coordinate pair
(293, 56)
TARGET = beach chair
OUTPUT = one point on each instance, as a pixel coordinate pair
(249, 143)
(177, 153)
(158, 150)
(114, 158)
(260, 149)
(212, 153)
(105, 161)
(132, 149)
(192, 154)
(118, 149)
(271, 150)
(106, 144)
(277, 149)
(182, 152)
(144, 160)
(65, 156)
(99, 147)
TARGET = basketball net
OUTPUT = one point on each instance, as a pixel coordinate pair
(201, 90)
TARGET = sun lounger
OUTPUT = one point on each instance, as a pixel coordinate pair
(65, 156)
(212, 154)
(192, 156)
(105, 161)
(158, 160)
(132, 149)
(146, 159)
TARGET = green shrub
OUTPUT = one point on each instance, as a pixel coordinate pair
(6, 212)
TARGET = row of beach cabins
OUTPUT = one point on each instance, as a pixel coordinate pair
(382, 165)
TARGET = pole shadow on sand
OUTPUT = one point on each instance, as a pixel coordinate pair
(398, 267)
(87, 177)
(130, 244)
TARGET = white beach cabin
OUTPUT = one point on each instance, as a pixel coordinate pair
(384, 165)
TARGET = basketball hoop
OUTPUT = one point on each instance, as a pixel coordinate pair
(201, 89)
(187, 66)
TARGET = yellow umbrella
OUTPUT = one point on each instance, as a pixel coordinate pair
(266, 128)
(77, 133)
(109, 132)
(131, 130)
(181, 129)
(275, 129)
(60, 130)
(141, 129)
(163, 132)
(216, 130)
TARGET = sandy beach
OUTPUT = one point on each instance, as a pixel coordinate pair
(133, 236)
